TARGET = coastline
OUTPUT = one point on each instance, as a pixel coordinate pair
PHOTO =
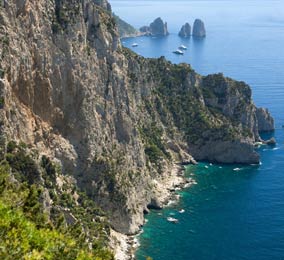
(125, 246)
(133, 35)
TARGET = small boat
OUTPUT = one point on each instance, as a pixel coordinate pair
(179, 52)
(134, 45)
(182, 47)
(181, 211)
(173, 220)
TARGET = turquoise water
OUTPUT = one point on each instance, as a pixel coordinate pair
(228, 214)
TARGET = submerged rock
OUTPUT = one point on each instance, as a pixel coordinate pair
(156, 28)
(265, 120)
(199, 28)
(185, 31)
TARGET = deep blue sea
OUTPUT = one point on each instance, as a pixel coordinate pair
(229, 214)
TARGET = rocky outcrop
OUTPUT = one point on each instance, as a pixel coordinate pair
(104, 4)
(114, 120)
(265, 120)
(145, 30)
(270, 142)
(156, 28)
(125, 29)
(198, 28)
(185, 31)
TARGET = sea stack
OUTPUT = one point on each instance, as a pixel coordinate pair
(185, 31)
(199, 28)
(156, 28)
(265, 120)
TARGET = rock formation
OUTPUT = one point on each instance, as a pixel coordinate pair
(112, 119)
(103, 3)
(125, 29)
(185, 31)
(156, 28)
(145, 30)
(198, 28)
(265, 120)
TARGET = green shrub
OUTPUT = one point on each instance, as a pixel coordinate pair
(11, 146)
(153, 153)
(23, 164)
(2, 73)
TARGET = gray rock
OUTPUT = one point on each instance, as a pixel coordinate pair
(103, 3)
(154, 204)
(270, 142)
(185, 31)
(226, 152)
(199, 28)
(265, 120)
(156, 28)
(146, 30)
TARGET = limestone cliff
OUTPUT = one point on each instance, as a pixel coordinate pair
(265, 120)
(185, 31)
(156, 28)
(125, 29)
(198, 28)
(116, 121)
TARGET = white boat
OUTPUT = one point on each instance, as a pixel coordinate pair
(181, 211)
(179, 52)
(135, 45)
(173, 220)
(182, 47)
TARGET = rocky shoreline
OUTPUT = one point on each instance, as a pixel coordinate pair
(125, 246)
(134, 35)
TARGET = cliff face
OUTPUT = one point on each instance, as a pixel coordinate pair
(265, 120)
(114, 120)
(198, 28)
(125, 29)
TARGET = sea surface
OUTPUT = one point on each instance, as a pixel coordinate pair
(233, 212)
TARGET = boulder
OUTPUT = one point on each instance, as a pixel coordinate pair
(185, 31)
(199, 28)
